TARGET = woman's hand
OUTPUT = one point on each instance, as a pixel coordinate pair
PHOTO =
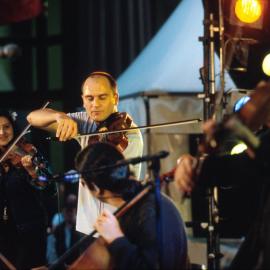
(28, 165)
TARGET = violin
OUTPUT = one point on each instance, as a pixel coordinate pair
(14, 157)
(115, 121)
(256, 111)
(19, 150)
(20, 144)
(250, 118)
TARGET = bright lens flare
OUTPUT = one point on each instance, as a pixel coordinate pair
(239, 148)
(248, 11)
(266, 65)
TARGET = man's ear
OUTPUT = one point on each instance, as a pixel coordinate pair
(82, 100)
(116, 98)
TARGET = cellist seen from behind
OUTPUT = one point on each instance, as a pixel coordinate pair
(132, 242)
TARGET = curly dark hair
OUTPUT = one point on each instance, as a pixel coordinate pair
(7, 114)
(116, 180)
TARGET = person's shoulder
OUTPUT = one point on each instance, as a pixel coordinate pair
(167, 200)
(134, 131)
(145, 211)
(169, 209)
(148, 204)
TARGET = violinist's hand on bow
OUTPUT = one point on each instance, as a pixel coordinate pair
(185, 173)
(66, 127)
(108, 226)
(28, 165)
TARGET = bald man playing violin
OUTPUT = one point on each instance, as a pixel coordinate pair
(100, 99)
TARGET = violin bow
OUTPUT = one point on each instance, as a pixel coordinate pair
(168, 124)
(25, 131)
(7, 263)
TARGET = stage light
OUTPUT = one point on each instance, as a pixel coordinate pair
(240, 103)
(266, 64)
(248, 11)
(239, 148)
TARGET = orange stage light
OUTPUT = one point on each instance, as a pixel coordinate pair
(248, 11)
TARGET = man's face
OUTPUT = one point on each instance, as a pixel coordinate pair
(6, 131)
(99, 100)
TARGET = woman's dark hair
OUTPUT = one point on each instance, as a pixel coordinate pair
(115, 180)
(8, 115)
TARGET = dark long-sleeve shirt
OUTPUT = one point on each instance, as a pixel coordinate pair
(138, 249)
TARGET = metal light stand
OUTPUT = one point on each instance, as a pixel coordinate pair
(208, 76)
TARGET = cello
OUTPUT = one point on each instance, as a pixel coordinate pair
(96, 256)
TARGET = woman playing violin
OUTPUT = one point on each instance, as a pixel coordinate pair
(100, 99)
(22, 214)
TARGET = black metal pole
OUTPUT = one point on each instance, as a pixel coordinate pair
(208, 78)
(155, 166)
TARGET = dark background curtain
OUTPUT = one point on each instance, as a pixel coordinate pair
(64, 43)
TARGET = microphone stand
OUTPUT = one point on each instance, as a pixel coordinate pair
(208, 79)
(119, 168)
(155, 167)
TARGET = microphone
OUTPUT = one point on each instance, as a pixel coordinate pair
(73, 176)
(159, 155)
(10, 51)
